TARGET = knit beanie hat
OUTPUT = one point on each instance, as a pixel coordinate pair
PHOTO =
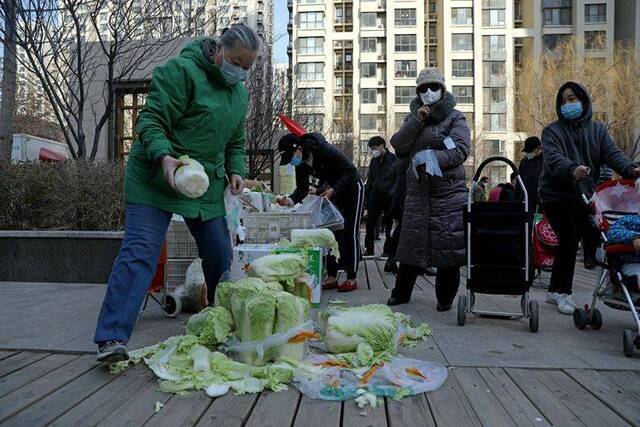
(431, 75)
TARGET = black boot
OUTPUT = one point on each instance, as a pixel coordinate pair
(390, 266)
(405, 280)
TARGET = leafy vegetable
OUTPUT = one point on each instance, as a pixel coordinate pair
(283, 268)
(245, 287)
(212, 326)
(412, 333)
(347, 327)
(315, 237)
(191, 180)
(291, 311)
(257, 317)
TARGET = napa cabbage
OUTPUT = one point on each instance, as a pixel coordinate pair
(191, 179)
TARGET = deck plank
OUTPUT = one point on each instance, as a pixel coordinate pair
(388, 279)
(32, 372)
(7, 354)
(511, 397)
(99, 405)
(229, 410)
(375, 279)
(450, 406)
(485, 403)
(19, 361)
(137, 410)
(626, 380)
(264, 415)
(21, 398)
(412, 411)
(361, 277)
(181, 410)
(317, 413)
(63, 399)
(616, 398)
(352, 416)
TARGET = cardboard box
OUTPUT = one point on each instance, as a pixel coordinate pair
(245, 254)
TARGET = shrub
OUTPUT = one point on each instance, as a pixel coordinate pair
(73, 195)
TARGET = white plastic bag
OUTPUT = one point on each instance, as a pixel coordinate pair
(233, 210)
(324, 214)
(193, 291)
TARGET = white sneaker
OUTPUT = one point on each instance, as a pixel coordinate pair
(565, 304)
(552, 298)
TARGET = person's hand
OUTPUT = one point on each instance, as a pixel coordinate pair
(284, 201)
(636, 245)
(423, 113)
(235, 184)
(636, 172)
(581, 172)
(169, 165)
(328, 193)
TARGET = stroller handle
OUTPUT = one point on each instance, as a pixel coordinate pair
(478, 174)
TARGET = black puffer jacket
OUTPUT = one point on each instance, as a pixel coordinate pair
(432, 227)
(399, 190)
(329, 165)
(530, 171)
(378, 189)
(567, 144)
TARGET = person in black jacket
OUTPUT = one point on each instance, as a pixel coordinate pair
(574, 147)
(530, 169)
(339, 181)
(508, 193)
(377, 193)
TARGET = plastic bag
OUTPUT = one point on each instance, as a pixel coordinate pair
(261, 352)
(193, 292)
(397, 378)
(233, 210)
(324, 214)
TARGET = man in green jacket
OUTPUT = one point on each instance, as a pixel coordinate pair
(196, 106)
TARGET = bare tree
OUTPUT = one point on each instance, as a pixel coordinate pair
(70, 44)
(537, 84)
(7, 107)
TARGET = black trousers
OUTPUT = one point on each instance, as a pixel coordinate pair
(447, 283)
(571, 223)
(391, 245)
(349, 237)
(374, 213)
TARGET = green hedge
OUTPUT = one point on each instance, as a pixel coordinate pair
(73, 195)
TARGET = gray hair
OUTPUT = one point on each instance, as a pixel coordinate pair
(243, 34)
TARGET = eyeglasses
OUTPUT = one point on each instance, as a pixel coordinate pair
(434, 87)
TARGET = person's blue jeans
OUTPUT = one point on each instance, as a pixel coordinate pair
(135, 265)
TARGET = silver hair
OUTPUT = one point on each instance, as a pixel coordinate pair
(243, 34)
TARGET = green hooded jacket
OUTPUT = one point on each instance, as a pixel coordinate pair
(189, 110)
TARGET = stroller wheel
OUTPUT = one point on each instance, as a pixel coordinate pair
(580, 318)
(462, 309)
(533, 316)
(595, 319)
(172, 305)
(627, 342)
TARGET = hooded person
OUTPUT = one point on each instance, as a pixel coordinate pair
(196, 106)
(339, 181)
(530, 170)
(574, 147)
(436, 138)
(377, 193)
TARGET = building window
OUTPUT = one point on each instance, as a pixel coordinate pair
(405, 17)
(405, 94)
(399, 119)
(595, 13)
(368, 121)
(470, 119)
(494, 95)
(461, 16)
(494, 47)
(311, 122)
(310, 20)
(343, 60)
(311, 45)
(128, 106)
(368, 95)
(461, 42)
(462, 67)
(367, 69)
(495, 122)
(310, 71)
(405, 43)
(368, 19)
(311, 96)
(463, 94)
(556, 12)
(343, 84)
(405, 69)
(552, 41)
(494, 147)
(493, 13)
(595, 40)
(494, 73)
(344, 17)
(369, 44)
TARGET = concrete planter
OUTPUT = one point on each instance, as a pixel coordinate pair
(58, 256)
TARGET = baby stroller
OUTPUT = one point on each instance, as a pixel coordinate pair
(498, 258)
(613, 200)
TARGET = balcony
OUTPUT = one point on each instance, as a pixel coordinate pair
(290, 4)
(289, 50)
(494, 80)
(495, 55)
(290, 27)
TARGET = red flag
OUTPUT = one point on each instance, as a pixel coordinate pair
(294, 127)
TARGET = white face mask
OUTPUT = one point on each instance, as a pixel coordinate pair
(429, 97)
(530, 155)
(375, 153)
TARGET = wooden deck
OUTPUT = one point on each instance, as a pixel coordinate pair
(500, 374)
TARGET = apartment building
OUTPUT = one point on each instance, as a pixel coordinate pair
(357, 60)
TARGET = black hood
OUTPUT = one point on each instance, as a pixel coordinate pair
(583, 95)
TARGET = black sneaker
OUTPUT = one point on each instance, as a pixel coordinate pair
(390, 267)
(112, 351)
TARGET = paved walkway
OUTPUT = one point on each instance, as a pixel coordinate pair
(501, 374)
